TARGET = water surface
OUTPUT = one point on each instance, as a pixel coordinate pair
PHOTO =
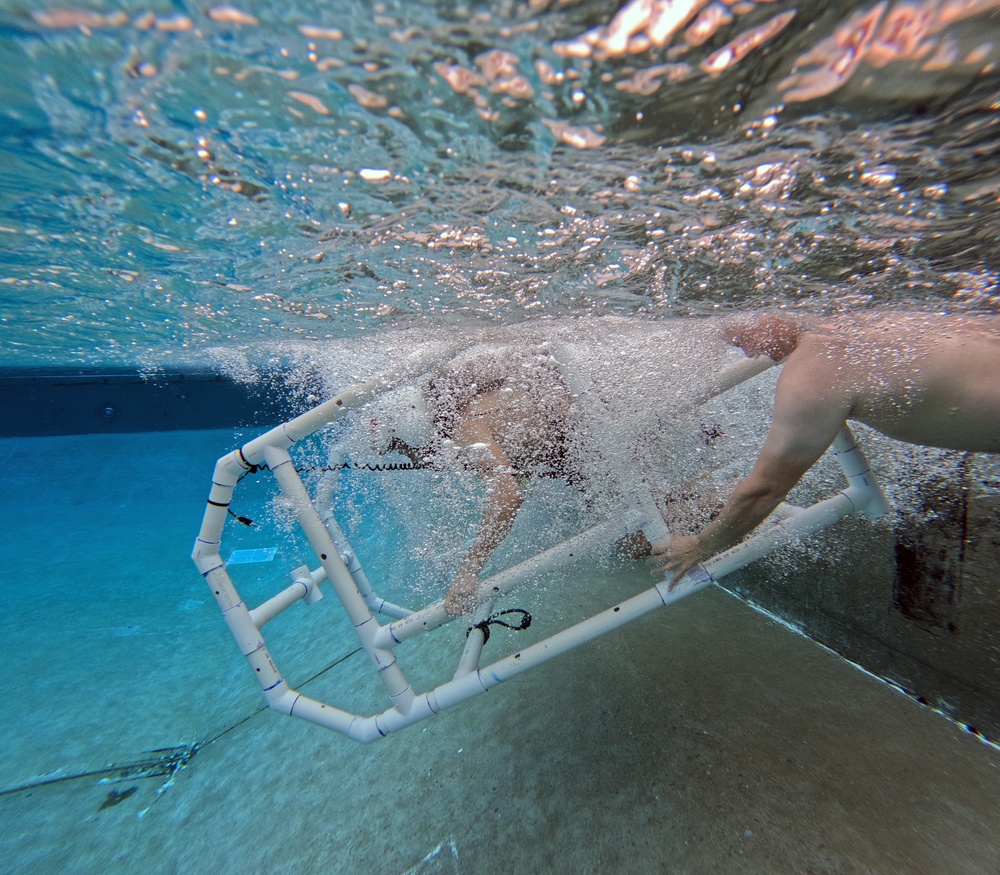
(174, 176)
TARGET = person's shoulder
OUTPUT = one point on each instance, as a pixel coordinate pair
(818, 347)
(817, 355)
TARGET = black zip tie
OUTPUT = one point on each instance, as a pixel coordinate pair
(484, 626)
(245, 520)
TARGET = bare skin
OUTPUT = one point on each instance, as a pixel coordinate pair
(934, 383)
(500, 426)
(479, 424)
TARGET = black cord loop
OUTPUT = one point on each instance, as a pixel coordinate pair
(492, 620)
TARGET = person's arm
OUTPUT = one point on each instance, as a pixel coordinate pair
(809, 410)
(503, 500)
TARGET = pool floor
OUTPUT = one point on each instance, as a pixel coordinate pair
(703, 739)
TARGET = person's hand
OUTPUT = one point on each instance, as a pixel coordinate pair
(679, 555)
(461, 598)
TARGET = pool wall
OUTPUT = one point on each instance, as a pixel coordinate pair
(917, 604)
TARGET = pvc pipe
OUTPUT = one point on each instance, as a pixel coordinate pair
(653, 526)
(272, 683)
(859, 475)
(474, 641)
(267, 611)
(568, 639)
(411, 708)
(432, 617)
(246, 633)
(466, 686)
(247, 637)
(288, 433)
(280, 464)
(599, 537)
(312, 580)
(231, 467)
(802, 522)
(228, 471)
(320, 714)
(862, 494)
(303, 587)
(375, 602)
(219, 582)
(730, 377)
(355, 593)
(469, 661)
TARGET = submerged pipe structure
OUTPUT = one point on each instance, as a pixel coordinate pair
(355, 593)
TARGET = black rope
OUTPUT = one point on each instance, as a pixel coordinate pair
(492, 620)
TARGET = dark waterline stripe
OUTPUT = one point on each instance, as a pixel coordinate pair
(55, 401)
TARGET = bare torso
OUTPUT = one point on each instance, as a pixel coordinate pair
(934, 382)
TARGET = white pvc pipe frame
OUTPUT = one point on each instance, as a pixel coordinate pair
(379, 641)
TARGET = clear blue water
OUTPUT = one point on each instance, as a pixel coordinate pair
(176, 176)
(145, 745)
(325, 182)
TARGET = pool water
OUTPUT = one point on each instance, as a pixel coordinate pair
(174, 179)
(312, 191)
(708, 738)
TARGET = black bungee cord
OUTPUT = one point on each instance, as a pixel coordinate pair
(345, 466)
(484, 625)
